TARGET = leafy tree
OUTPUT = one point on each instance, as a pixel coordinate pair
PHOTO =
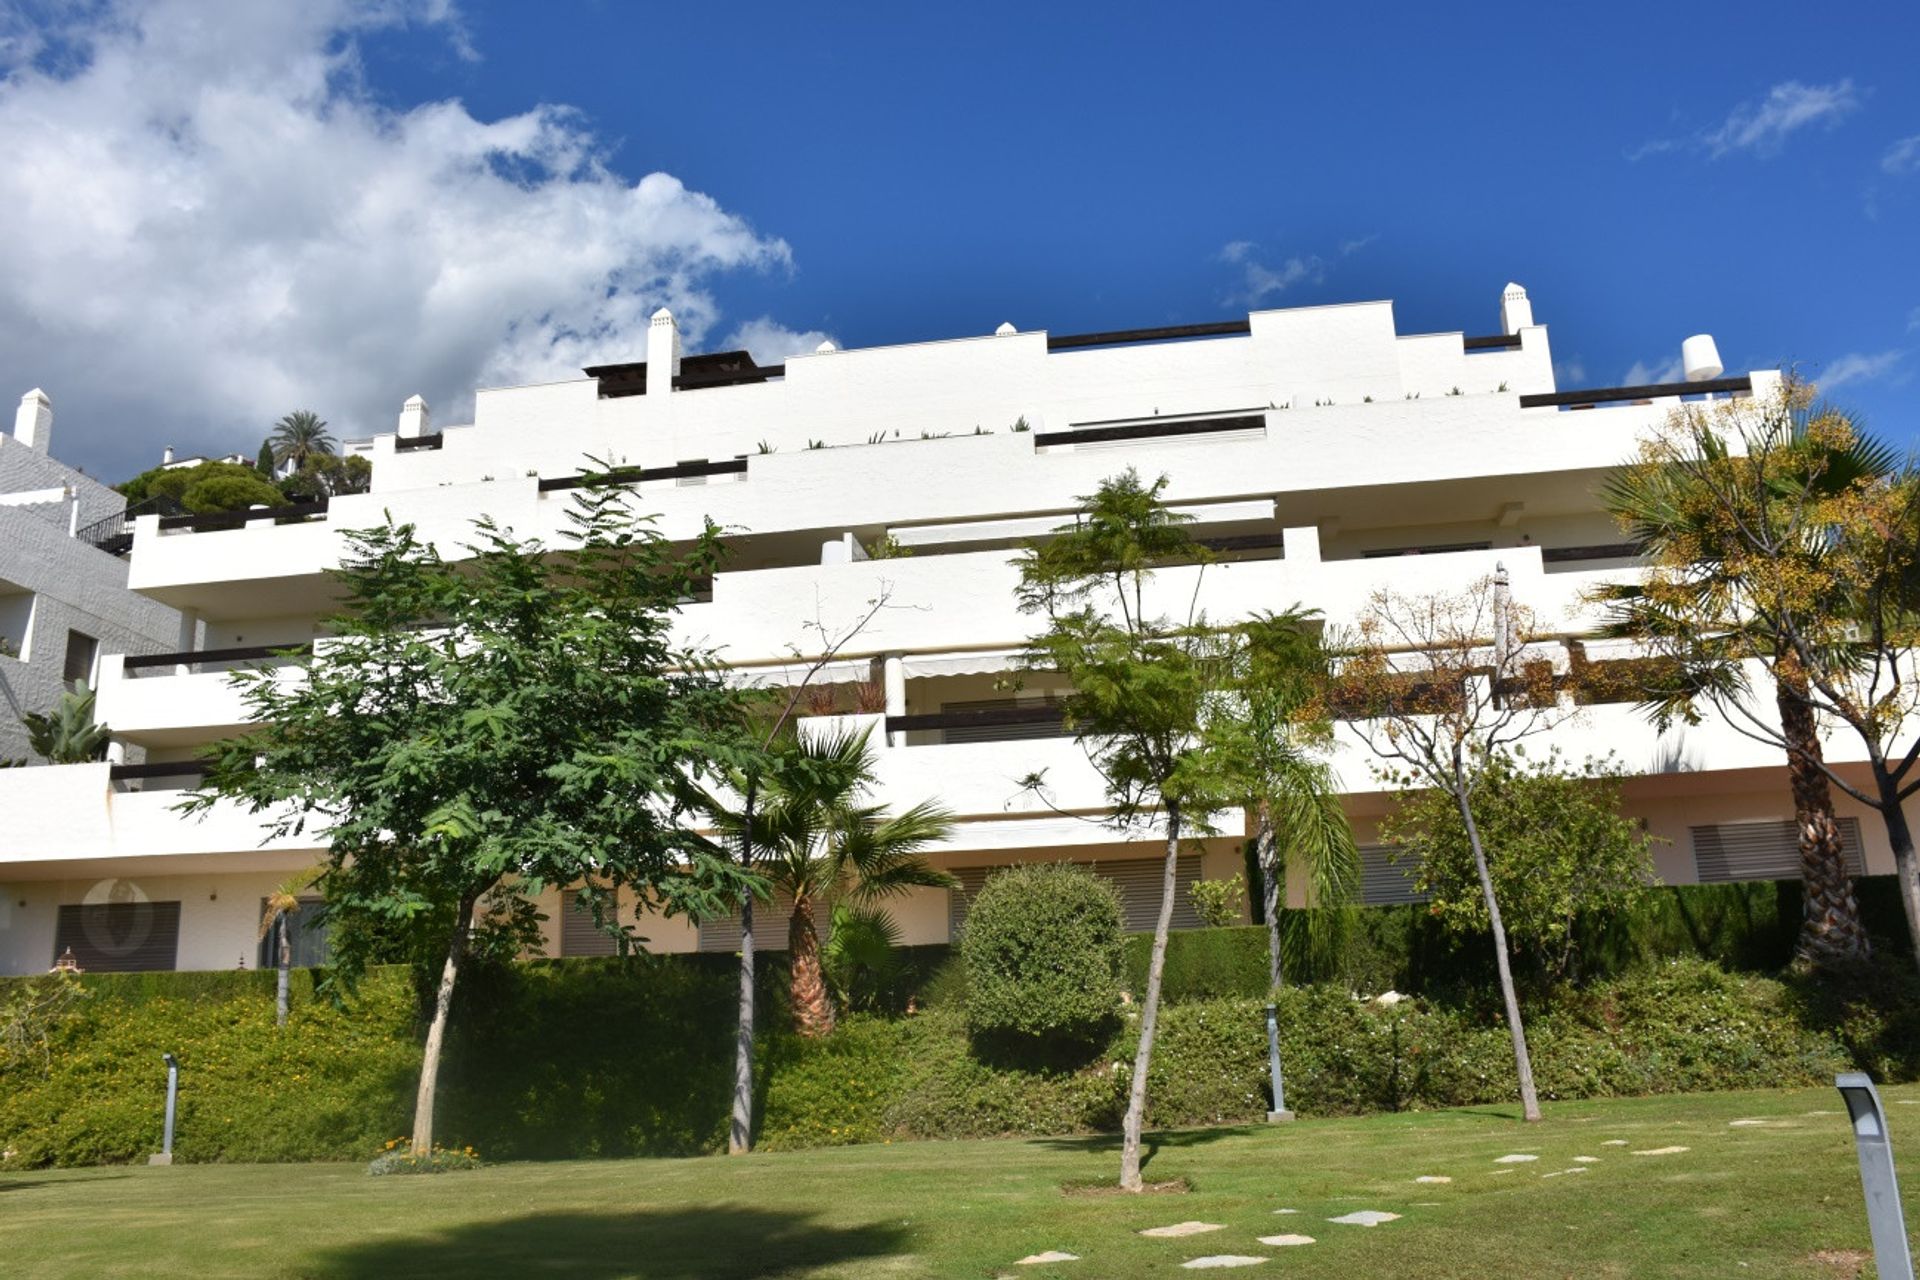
(67, 734)
(1142, 682)
(815, 842)
(205, 489)
(1557, 848)
(473, 732)
(328, 476)
(1271, 734)
(298, 436)
(1442, 684)
(1782, 540)
(263, 461)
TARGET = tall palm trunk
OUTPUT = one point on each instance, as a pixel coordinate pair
(1149, 1014)
(1522, 1060)
(1830, 930)
(437, 1030)
(812, 1006)
(1268, 855)
(740, 1131)
(284, 945)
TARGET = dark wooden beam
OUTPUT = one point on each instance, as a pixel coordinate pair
(1169, 333)
(1651, 391)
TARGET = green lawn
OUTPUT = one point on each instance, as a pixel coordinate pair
(1749, 1200)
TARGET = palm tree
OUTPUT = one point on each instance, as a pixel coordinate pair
(283, 904)
(1669, 514)
(816, 842)
(299, 436)
(1275, 735)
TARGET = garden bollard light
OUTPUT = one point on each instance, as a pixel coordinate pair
(173, 1094)
(1888, 1224)
(1279, 1112)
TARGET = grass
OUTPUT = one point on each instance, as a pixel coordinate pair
(1779, 1199)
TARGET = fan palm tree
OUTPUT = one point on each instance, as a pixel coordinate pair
(1665, 504)
(817, 843)
(299, 436)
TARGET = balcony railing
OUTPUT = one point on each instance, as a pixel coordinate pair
(1650, 391)
(1152, 430)
(292, 513)
(407, 444)
(208, 657)
(635, 475)
(997, 718)
(166, 769)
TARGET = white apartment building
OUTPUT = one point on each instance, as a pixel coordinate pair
(64, 602)
(1321, 451)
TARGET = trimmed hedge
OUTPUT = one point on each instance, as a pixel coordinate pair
(1042, 952)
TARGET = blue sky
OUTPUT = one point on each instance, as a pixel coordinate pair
(893, 173)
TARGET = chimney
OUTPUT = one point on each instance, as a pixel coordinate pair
(1700, 358)
(166, 456)
(1516, 313)
(414, 418)
(33, 421)
(663, 353)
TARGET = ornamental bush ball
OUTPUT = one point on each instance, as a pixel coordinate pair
(1042, 950)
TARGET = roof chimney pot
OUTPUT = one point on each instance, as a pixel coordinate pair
(33, 420)
(1516, 313)
(414, 418)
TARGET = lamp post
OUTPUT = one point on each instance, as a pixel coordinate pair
(173, 1095)
(1279, 1112)
(1892, 1255)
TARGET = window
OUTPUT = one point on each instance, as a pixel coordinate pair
(1137, 879)
(310, 948)
(770, 920)
(1731, 851)
(82, 651)
(119, 937)
(16, 619)
(579, 935)
(1385, 881)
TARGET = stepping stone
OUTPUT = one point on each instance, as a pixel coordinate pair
(1432, 1177)
(1823, 1113)
(1614, 1142)
(1908, 1102)
(1501, 1172)
(1051, 1255)
(1183, 1229)
(1213, 1260)
(1586, 1159)
(1516, 1159)
(1557, 1172)
(1286, 1211)
(1282, 1242)
(1364, 1218)
(1660, 1151)
(1747, 1124)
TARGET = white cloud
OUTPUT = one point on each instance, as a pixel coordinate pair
(207, 220)
(771, 342)
(1761, 128)
(1569, 373)
(1902, 157)
(1855, 367)
(1258, 281)
(1642, 374)
(1913, 320)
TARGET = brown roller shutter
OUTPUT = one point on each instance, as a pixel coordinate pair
(1732, 851)
(119, 937)
(579, 935)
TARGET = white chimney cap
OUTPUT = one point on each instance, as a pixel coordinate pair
(663, 316)
(1700, 358)
(826, 346)
(1006, 329)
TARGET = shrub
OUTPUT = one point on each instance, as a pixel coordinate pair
(396, 1159)
(231, 493)
(1218, 903)
(1042, 952)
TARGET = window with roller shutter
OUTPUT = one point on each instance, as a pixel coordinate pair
(119, 937)
(579, 935)
(1385, 882)
(310, 947)
(1731, 851)
(1137, 879)
(769, 927)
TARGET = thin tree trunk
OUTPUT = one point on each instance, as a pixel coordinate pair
(1900, 837)
(1270, 889)
(437, 1030)
(1830, 930)
(1522, 1061)
(812, 1007)
(740, 1132)
(1149, 1014)
(285, 947)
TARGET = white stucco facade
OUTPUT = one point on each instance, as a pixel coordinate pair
(1330, 454)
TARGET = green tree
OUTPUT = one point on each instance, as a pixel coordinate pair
(1741, 545)
(816, 842)
(1043, 949)
(67, 734)
(1784, 542)
(263, 461)
(1442, 684)
(205, 489)
(328, 476)
(1557, 847)
(298, 436)
(474, 732)
(1141, 681)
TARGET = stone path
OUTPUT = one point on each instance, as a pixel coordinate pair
(1430, 1177)
(1051, 1255)
(1213, 1260)
(1516, 1158)
(1365, 1218)
(1179, 1229)
(1661, 1151)
(1285, 1241)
